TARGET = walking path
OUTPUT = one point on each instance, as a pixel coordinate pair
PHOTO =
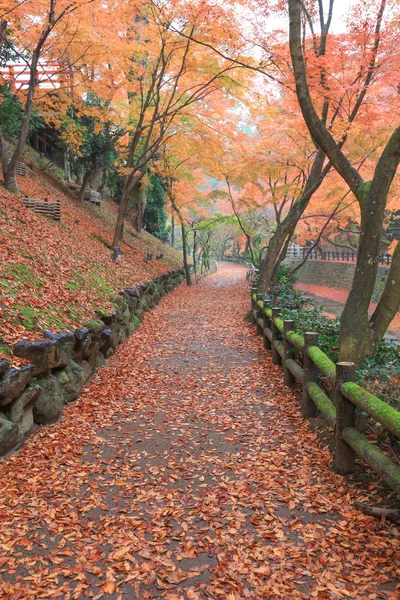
(186, 472)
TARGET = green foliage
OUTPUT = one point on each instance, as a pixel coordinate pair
(312, 319)
(282, 293)
(98, 138)
(5, 349)
(11, 114)
(307, 316)
(384, 365)
(155, 214)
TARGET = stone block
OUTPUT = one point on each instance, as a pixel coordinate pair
(47, 354)
(13, 383)
(21, 409)
(82, 341)
(49, 405)
(11, 437)
(71, 379)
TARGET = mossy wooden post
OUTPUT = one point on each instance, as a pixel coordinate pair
(253, 291)
(289, 378)
(266, 324)
(276, 357)
(259, 329)
(345, 417)
(310, 373)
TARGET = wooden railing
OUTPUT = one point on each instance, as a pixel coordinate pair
(302, 360)
(298, 254)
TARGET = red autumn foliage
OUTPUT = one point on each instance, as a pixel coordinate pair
(54, 274)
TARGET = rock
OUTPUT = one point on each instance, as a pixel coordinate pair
(125, 332)
(47, 354)
(72, 379)
(100, 360)
(11, 438)
(13, 383)
(82, 341)
(107, 318)
(66, 343)
(123, 314)
(144, 304)
(21, 410)
(88, 363)
(135, 292)
(92, 348)
(44, 354)
(95, 329)
(87, 370)
(81, 335)
(49, 405)
(4, 366)
(132, 303)
(106, 341)
(139, 313)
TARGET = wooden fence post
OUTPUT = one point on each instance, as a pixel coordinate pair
(253, 291)
(288, 376)
(266, 323)
(259, 329)
(276, 357)
(345, 417)
(310, 371)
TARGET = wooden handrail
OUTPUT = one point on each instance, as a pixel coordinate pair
(339, 410)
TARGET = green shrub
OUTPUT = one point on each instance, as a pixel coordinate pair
(384, 366)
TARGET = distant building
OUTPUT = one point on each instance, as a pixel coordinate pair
(49, 75)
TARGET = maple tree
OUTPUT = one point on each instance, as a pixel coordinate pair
(359, 335)
(35, 36)
(166, 77)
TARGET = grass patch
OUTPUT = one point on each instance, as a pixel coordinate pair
(5, 349)
(103, 241)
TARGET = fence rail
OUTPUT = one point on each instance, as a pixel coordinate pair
(299, 253)
(302, 360)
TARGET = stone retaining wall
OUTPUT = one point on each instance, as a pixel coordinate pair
(337, 275)
(63, 362)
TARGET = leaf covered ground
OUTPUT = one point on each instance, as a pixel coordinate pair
(186, 472)
(54, 275)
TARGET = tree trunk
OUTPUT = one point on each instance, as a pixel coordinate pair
(10, 181)
(173, 228)
(3, 31)
(185, 257)
(359, 335)
(119, 226)
(288, 225)
(140, 208)
(129, 186)
(67, 166)
(267, 266)
(84, 185)
(96, 178)
(194, 252)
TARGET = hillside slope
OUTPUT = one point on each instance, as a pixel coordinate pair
(54, 275)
